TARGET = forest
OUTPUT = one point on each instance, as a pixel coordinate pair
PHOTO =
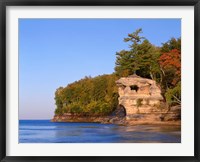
(98, 96)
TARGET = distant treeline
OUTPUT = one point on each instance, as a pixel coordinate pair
(99, 95)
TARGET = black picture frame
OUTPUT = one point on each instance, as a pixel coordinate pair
(5, 3)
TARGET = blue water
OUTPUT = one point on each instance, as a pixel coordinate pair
(45, 131)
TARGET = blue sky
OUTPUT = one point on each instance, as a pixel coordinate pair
(56, 52)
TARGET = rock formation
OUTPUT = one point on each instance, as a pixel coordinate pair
(141, 98)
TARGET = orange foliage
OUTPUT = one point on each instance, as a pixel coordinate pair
(172, 60)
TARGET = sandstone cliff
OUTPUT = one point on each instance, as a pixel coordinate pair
(142, 100)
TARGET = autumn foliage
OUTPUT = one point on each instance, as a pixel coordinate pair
(172, 61)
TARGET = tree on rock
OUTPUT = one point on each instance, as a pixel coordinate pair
(141, 59)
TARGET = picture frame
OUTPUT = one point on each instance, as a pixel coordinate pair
(3, 80)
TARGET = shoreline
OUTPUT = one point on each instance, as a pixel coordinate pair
(161, 123)
(113, 120)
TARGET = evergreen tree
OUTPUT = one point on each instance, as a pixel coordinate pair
(141, 59)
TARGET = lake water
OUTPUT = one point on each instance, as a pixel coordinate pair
(45, 131)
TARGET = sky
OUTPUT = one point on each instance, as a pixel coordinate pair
(56, 52)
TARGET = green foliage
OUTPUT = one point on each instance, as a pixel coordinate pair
(88, 96)
(140, 59)
(173, 95)
(173, 43)
(58, 111)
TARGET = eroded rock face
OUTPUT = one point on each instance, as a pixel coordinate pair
(139, 95)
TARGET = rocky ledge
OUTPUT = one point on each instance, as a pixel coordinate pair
(172, 117)
(91, 119)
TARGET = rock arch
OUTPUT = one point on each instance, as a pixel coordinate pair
(120, 111)
(138, 95)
